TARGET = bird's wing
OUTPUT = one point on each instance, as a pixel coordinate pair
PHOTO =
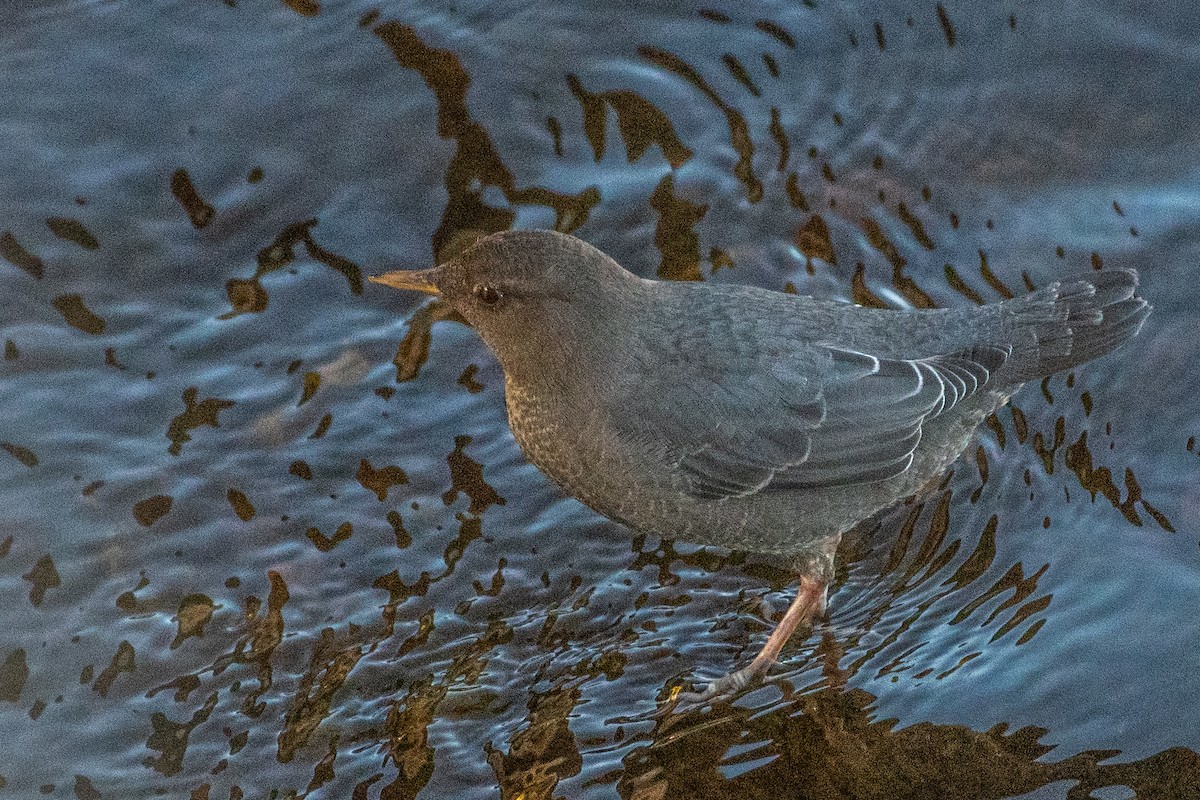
(831, 417)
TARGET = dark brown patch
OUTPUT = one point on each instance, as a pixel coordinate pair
(774, 29)
(947, 26)
(305, 8)
(322, 427)
(170, 738)
(194, 415)
(110, 359)
(859, 292)
(13, 674)
(991, 278)
(326, 543)
(195, 610)
(22, 454)
(340, 264)
(124, 660)
(719, 259)
(152, 509)
(77, 314)
(640, 122)
(403, 537)
(993, 422)
(738, 70)
(12, 252)
(674, 235)
(781, 139)
(241, 505)
(497, 582)
(466, 476)
(1158, 517)
(1046, 390)
(198, 211)
(331, 664)
(813, 240)
(981, 463)
(380, 480)
(795, 195)
(85, 790)
(905, 285)
(312, 382)
(771, 65)
(246, 295)
(1048, 452)
(72, 230)
(413, 349)
(282, 250)
(959, 285)
(555, 128)
(544, 751)
(467, 379)
(43, 576)
(1020, 425)
(595, 116)
(916, 226)
(475, 165)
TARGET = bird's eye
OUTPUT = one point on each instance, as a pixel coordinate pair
(486, 294)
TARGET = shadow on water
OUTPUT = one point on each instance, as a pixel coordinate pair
(265, 533)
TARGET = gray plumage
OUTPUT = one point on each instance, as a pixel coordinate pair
(746, 418)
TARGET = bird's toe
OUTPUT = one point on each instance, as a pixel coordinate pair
(723, 689)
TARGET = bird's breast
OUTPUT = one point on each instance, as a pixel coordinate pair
(568, 440)
(549, 434)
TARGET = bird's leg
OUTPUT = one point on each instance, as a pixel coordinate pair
(808, 605)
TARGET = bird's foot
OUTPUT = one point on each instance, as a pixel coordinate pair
(809, 602)
(720, 690)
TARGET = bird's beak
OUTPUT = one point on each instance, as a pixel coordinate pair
(418, 280)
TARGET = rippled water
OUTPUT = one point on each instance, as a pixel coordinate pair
(265, 532)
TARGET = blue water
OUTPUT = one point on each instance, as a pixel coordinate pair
(1000, 640)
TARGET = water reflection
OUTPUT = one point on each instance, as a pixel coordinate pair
(831, 745)
(265, 533)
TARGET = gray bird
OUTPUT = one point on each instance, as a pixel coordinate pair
(746, 418)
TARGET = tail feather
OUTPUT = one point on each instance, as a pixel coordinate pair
(1066, 324)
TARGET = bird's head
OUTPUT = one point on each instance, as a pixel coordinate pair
(529, 294)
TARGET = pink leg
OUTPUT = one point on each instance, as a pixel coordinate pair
(808, 605)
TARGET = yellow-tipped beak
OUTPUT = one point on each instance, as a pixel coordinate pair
(417, 280)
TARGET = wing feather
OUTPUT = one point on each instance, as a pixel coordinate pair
(842, 418)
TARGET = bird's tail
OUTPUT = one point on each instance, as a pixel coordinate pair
(1065, 324)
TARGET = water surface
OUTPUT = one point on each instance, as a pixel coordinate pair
(265, 532)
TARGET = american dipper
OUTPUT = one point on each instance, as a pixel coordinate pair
(746, 418)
